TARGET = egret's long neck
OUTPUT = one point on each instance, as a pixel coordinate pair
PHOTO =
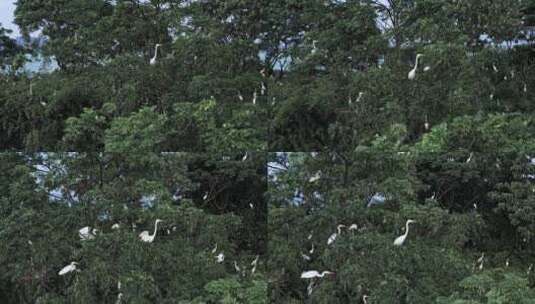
(416, 64)
(156, 51)
(155, 227)
(406, 228)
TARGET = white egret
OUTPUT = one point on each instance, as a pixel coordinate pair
(240, 96)
(525, 88)
(87, 233)
(401, 239)
(145, 237)
(236, 267)
(412, 73)
(119, 298)
(220, 258)
(353, 227)
(333, 236)
(262, 88)
(205, 196)
(251, 205)
(315, 177)
(507, 263)
(254, 97)
(311, 251)
(244, 158)
(254, 263)
(427, 69)
(311, 274)
(495, 68)
(69, 268)
(359, 98)
(365, 299)
(314, 48)
(470, 157)
(215, 249)
(309, 236)
(115, 226)
(153, 59)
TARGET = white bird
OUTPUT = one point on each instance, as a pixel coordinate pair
(254, 97)
(119, 298)
(236, 267)
(220, 258)
(311, 274)
(244, 158)
(311, 251)
(215, 249)
(412, 73)
(115, 226)
(365, 299)
(87, 233)
(314, 48)
(470, 157)
(69, 268)
(353, 227)
(507, 263)
(251, 205)
(495, 68)
(359, 98)
(309, 236)
(145, 237)
(427, 69)
(240, 96)
(401, 239)
(205, 196)
(262, 88)
(333, 236)
(315, 177)
(254, 263)
(525, 88)
(153, 59)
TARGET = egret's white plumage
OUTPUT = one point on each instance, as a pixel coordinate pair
(115, 226)
(412, 73)
(145, 237)
(153, 59)
(314, 274)
(220, 258)
(333, 236)
(401, 239)
(353, 227)
(87, 233)
(69, 268)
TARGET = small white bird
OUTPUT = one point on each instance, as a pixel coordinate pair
(495, 68)
(251, 205)
(153, 59)
(145, 237)
(115, 226)
(69, 268)
(507, 263)
(309, 236)
(333, 236)
(205, 196)
(315, 177)
(236, 267)
(470, 157)
(254, 97)
(412, 73)
(87, 233)
(359, 98)
(220, 258)
(215, 249)
(240, 96)
(401, 239)
(427, 69)
(311, 274)
(353, 227)
(244, 158)
(311, 251)
(254, 263)
(262, 89)
(365, 299)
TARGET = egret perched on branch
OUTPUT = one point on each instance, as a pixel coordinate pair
(401, 239)
(87, 233)
(145, 237)
(311, 274)
(412, 73)
(69, 268)
(333, 236)
(153, 59)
